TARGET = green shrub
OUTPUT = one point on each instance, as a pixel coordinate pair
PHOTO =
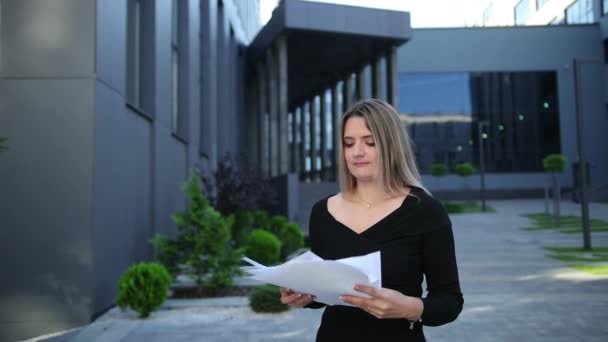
(204, 241)
(439, 170)
(167, 253)
(289, 234)
(266, 298)
(291, 238)
(465, 169)
(3, 144)
(143, 287)
(245, 221)
(263, 247)
(454, 208)
(555, 163)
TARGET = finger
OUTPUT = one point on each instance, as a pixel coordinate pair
(304, 300)
(288, 299)
(357, 301)
(286, 291)
(367, 290)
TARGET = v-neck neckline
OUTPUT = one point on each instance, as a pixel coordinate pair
(374, 225)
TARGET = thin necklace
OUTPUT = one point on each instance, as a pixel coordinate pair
(368, 205)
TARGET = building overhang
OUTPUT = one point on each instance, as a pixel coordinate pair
(326, 42)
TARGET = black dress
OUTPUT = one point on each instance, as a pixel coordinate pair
(414, 240)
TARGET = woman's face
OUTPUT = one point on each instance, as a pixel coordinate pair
(359, 149)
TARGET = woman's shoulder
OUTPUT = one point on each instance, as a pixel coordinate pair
(320, 206)
(429, 207)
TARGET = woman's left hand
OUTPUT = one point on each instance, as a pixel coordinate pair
(386, 303)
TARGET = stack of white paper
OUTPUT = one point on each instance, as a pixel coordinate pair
(327, 280)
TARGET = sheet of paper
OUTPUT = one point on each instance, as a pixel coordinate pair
(327, 280)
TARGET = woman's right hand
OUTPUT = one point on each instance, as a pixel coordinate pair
(295, 299)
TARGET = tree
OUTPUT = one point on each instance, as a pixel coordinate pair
(554, 164)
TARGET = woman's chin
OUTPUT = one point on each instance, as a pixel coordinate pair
(364, 178)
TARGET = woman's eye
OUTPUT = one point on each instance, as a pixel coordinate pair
(348, 145)
(370, 143)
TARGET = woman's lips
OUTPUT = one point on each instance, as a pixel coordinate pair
(360, 164)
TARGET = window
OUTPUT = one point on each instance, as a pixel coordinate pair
(580, 12)
(134, 53)
(487, 14)
(540, 3)
(520, 107)
(604, 7)
(178, 113)
(522, 12)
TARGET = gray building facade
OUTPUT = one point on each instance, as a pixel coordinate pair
(106, 106)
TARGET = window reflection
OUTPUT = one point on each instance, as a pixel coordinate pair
(441, 111)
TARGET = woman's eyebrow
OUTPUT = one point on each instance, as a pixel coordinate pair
(364, 137)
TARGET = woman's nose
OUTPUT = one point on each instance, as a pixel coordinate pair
(359, 149)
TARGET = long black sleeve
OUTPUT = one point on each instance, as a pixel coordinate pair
(444, 300)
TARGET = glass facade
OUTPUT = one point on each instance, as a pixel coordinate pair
(522, 12)
(441, 112)
(580, 12)
(540, 3)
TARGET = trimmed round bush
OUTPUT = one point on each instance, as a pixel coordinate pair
(263, 247)
(266, 298)
(292, 239)
(439, 170)
(465, 169)
(555, 162)
(143, 288)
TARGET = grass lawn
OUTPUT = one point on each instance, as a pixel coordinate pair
(569, 224)
(466, 208)
(594, 261)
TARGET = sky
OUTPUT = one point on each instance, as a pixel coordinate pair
(424, 13)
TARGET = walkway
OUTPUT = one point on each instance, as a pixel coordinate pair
(512, 293)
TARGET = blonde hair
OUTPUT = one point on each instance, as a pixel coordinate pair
(396, 163)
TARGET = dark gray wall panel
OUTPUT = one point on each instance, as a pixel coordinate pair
(46, 181)
(168, 153)
(48, 38)
(111, 33)
(121, 195)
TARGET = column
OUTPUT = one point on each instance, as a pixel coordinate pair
(273, 101)
(376, 78)
(295, 151)
(392, 81)
(304, 140)
(347, 90)
(262, 110)
(281, 52)
(253, 97)
(360, 90)
(323, 135)
(313, 139)
(336, 113)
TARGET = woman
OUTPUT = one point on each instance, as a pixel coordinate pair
(383, 206)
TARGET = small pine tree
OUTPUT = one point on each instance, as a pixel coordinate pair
(554, 164)
(210, 258)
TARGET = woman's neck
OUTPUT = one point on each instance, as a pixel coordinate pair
(370, 193)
